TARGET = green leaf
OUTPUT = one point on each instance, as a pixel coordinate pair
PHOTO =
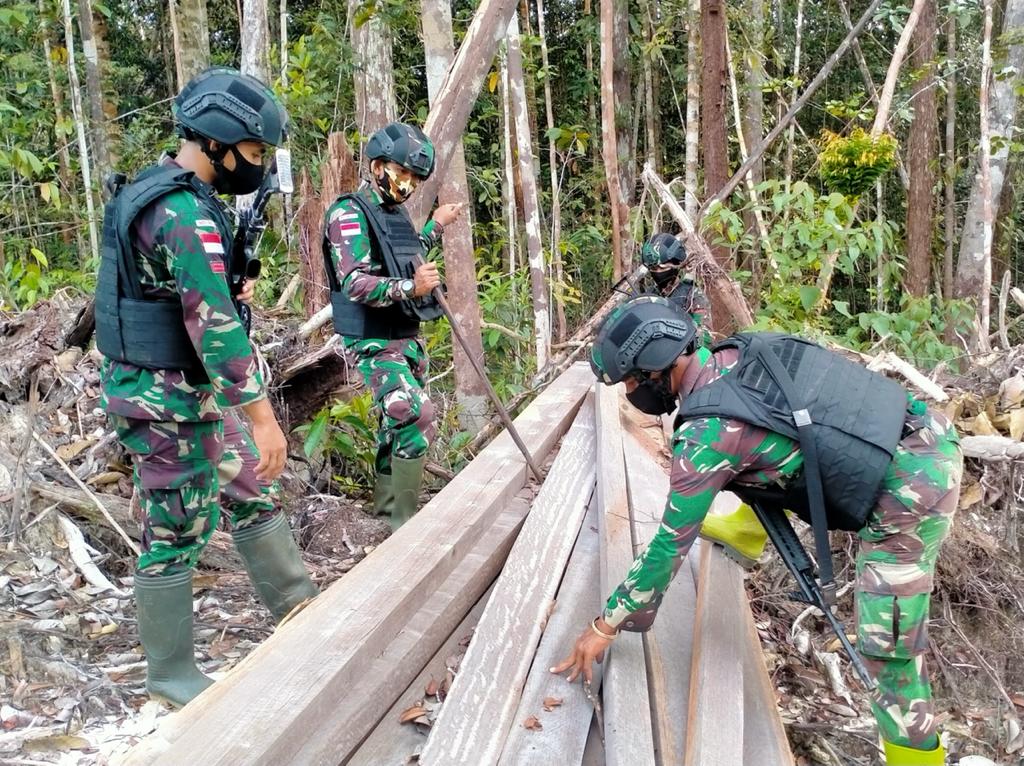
(843, 307)
(809, 296)
(316, 434)
(40, 258)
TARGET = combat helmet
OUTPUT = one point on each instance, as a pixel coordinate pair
(405, 144)
(229, 107)
(646, 334)
(663, 250)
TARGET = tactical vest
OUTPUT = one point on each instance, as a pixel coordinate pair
(394, 239)
(148, 333)
(857, 415)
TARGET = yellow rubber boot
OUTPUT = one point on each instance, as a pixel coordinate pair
(897, 755)
(739, 532)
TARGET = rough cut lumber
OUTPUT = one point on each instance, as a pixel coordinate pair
(992, 447)
(627, 726)
(367, 702)
(295, 682)
(669, 642)
(717, 683)
(564, 736)
(764, 737)
(477, 715)
(392, 742)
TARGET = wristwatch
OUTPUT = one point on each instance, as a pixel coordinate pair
(408, 287)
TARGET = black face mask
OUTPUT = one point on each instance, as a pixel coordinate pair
(653, 396)
(664, 279)
(244, 179)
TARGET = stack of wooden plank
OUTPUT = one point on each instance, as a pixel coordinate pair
(452, 625)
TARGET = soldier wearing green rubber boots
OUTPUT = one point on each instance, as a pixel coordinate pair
(381, 285)
(890, 467)
(179, 364)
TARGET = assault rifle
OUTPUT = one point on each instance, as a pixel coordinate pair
(251, 223)
(793, 553)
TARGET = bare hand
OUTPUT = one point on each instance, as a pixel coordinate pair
(426, 279)
(248, 290)
(446, 214)
(589, 648)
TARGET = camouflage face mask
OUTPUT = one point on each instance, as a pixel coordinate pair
(395, 190)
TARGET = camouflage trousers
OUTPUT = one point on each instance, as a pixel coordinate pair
(184, 473)
(396, 373)
(895, 569)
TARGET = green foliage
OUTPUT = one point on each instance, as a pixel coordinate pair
(345, 433)
(851, 164)
(915, 332)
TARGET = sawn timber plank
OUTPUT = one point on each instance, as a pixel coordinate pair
(629, 739)
(478, 712)
(669, 642)
(293, 684)
(564, 736)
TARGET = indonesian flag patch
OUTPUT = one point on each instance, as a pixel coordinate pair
(349, 224)
(213, 245)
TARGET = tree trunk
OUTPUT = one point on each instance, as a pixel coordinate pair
(448, 117)
(651, 148)
(922, 155)
(79, 117)
(556, 205)
(623, 92)
(949, 174)
(791, 133)
(986, 192)
(693, 69)
(94, 90)
(508, 178)
(460, 265)
(592, 81)
(609, 140)
(191, 38)
(63, 155)
(374, 77)
(255, 39)
(531, 203)
(714, 123)
(753, 130)
(973, 275)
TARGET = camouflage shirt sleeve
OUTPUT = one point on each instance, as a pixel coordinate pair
(359, 272)
(192, 247)
(708, 455)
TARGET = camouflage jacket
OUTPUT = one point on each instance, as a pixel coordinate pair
(359, 269)
(708, 454)
(179, 252)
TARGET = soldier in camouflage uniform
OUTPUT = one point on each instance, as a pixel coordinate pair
(900, 538)
(664, 255)
(178, 364)
(381, 285)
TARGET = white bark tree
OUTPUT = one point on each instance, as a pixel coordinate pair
(531, 201)
(374, 78)
(691, 179)
(191, 34)
(255, 39)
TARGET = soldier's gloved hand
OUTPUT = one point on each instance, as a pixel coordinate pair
(270, 441)
(446, 214)
(426, 279)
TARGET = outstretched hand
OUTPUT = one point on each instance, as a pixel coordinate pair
(446, 214)
(589, 647)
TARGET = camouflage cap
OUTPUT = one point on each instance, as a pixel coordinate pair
(645, 334)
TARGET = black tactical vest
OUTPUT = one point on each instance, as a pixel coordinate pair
(398, 245)
(858, 418)
(131, 328)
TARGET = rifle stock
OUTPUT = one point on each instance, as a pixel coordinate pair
(793, 553)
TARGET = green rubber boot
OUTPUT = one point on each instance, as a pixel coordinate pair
(383, 495)
(164, 606)
(407, 478)
(739, 532)
(897, 755)
(272, 560)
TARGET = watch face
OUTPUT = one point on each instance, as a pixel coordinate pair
(408, 285)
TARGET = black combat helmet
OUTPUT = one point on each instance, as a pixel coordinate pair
(663, 250)
(405, 144)
(646, 334)
(229, 107)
